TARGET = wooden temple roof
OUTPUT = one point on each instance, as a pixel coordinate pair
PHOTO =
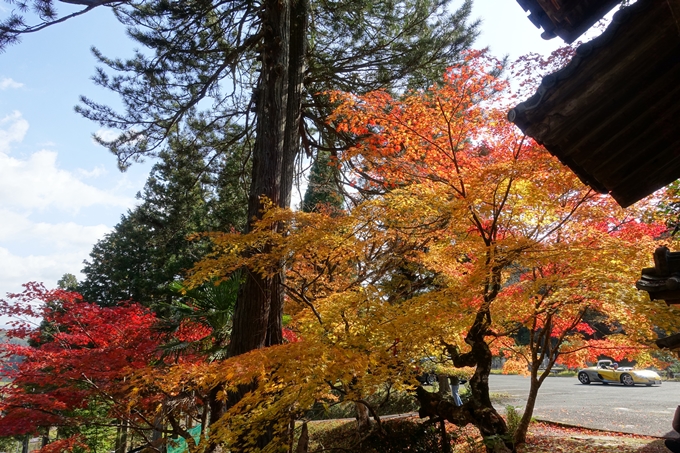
(613, 113)
(671, 342)
(567, 19)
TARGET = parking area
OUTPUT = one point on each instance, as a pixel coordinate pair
(638, 409)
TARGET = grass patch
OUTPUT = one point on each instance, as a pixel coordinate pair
(498, 397)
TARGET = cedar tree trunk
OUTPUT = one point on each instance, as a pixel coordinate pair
(251, 314)
(257, 321)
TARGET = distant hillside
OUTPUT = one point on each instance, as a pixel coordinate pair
(4, 339)
(8, 363)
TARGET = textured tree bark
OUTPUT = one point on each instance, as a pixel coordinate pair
(297, 65)
(303, 442)
(299, 20)
(362, 416)
(251, 314)
(478, 410)
(444, 385)
(257, 321)
(259, 309)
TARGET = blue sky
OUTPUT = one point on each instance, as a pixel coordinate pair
(59, 191)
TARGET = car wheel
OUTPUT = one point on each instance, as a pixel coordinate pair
(627, 380)
(583, 377)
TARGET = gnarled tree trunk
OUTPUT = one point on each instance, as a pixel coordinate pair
(478, 410)
(363, 417)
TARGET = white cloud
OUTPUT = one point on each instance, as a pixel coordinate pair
(18, 228)
(12, 130)
(94, 173)
(33, 186)
(47, 268)
(107, 135)
(57, 249)
(44, 251)
(9, 83)
(37, 183)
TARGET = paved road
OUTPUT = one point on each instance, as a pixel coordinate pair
(638, 409)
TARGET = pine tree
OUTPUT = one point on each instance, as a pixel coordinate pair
(68, 282)
(119, 266)
(150, 247)
(323, 190)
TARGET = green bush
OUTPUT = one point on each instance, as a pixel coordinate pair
(512, 419)
(10, 444)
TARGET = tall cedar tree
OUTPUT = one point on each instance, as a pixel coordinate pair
(323, 190)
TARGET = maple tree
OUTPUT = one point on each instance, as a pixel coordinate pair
(469, 232)
(79, 365)
(555, 301)
(523, 217)
(73, 365)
